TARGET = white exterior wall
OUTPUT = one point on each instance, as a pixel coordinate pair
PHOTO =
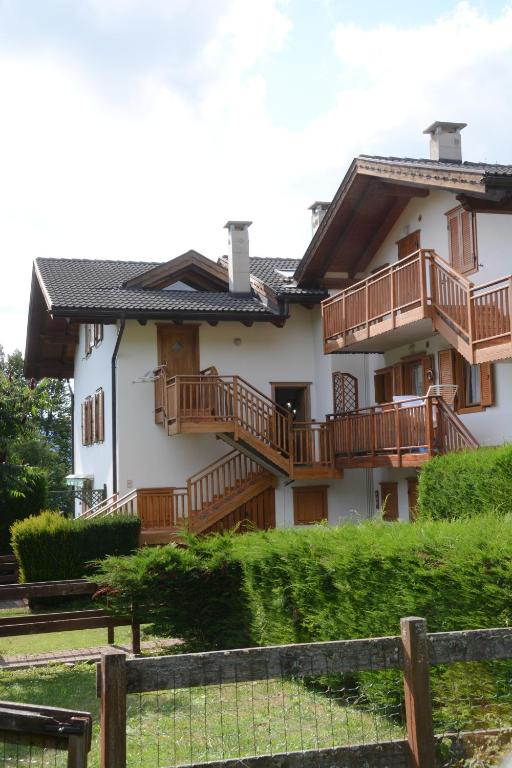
(91, 373)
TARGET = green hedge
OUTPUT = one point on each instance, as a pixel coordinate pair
(461, 484)
(325, 583)
(322, 583)
(23, 492)
(50, 547)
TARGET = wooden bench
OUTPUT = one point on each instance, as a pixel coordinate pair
(28, 624)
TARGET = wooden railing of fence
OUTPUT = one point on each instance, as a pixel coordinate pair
(53, 728)
(413, 651)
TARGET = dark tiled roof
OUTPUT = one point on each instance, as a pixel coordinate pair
(483, 169)
(97, 285)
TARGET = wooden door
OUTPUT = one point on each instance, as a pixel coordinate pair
(178, 349)
(309, 504)
(389, 501)
(412, 495)
(408, 244)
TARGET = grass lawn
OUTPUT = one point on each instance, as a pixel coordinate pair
(198, 724)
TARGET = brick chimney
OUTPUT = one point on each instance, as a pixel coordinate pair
(445, 141)
(238, 257)
(318, 211)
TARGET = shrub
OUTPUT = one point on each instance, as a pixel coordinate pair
(50, 547)
(465, 483)
(23, 492)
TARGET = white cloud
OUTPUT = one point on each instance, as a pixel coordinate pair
(149, 176)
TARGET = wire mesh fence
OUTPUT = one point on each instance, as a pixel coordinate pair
(32, 753)
(196, 724)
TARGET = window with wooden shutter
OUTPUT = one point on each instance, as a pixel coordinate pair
(383, 382)
(474, 381)
(462, 240)
(88, 341)
(344, 392)
(98, 333)
(309, 504)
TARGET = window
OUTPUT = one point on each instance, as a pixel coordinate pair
(309, 504)
(411, 376)
(93, 336)
(344, 392)
(93, 418)
(462, 240)
(474, 382)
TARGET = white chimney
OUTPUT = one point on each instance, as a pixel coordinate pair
(445, 141)
(238, 258)
(318, 210)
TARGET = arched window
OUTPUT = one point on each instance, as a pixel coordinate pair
(344, 392)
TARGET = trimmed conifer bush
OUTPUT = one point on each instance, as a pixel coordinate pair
(466, 483)
(50, 547)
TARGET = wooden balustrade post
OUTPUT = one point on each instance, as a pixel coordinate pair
(236, 408)
(418, 701)
(367, 310)
(112, 692)
(471, 319)
(344, 323)
(392, 297)
(429, 425)
(397, 435)
(78, 746)
(423, 282)
(373, 441)
(510, 305)
(291, 442)
(177, 402)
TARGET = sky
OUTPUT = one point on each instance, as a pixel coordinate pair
(134, 129)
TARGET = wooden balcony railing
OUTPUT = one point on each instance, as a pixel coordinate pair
(404, 433)
(422, 285)
(313, 448)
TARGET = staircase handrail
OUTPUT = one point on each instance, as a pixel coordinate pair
(217, 463)
(116, 504)
(457, 423)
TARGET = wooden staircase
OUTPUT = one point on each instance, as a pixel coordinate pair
(226, 488)
(415, 296)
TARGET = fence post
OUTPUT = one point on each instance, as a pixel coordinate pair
(112, 691)
(418, 701)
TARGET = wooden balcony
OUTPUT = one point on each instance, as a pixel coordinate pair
(404, 434)
(246, 418)
(410, 299)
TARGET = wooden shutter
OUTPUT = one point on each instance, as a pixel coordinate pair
(462, 240)
(379, 381)
(98, 333)
(88, 345)
(408, 244)
(446, 362)
(486, 385)
(398, 379)
(309, 504)
(82, 423)
(99, 429)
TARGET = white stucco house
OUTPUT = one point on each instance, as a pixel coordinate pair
(287, 391)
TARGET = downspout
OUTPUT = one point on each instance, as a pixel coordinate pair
(72, 405)
(114, 405)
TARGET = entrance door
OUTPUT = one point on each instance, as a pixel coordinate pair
(293, 398)
(178, 349)
(389, 501)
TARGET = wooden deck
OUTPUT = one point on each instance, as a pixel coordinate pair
(414, 297)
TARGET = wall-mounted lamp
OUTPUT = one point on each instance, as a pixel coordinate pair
(237, 341)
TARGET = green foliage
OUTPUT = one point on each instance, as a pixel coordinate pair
(50, 547)
(23, 492)
(192, 592)
(465, 483)
(323, 583)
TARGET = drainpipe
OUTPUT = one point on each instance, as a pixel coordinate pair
(72, 404)
(114, 405)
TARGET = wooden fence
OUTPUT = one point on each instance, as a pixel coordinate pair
(412, 652)
(34, 727)
(62, 621)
